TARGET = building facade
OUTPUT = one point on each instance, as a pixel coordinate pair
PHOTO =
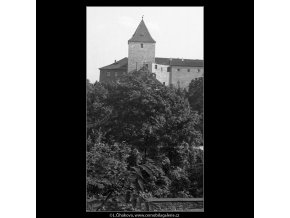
(141, 52)
(141, 48)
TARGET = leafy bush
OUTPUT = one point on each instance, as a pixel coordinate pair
(143, 141)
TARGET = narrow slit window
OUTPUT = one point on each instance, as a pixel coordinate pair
(141, 45)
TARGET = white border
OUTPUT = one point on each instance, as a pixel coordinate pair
(272, 109)
(18, 109)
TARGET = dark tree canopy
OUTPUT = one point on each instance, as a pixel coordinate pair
(195, 94)
(148, 129)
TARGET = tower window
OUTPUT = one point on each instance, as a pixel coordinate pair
(198, 70)
(178, 69)
(188, 70)
(155, 66)
(141, 45)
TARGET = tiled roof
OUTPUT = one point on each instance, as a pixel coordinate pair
(142, 34)
(121, 64)
(179, 62)
(163, 61)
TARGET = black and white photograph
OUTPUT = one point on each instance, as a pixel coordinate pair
(144, 109)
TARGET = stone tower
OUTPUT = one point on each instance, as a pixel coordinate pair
(141, 48)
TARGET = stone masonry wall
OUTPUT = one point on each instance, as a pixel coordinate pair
(182, 78)
(111, 75)
(139, 55)
(175, 206)
(161, 72)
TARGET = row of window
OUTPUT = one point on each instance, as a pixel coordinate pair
(188, 70)
(116, 73)
(123, 73)
(161, 69)
(168, 69)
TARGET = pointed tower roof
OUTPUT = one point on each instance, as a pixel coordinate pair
(142, 34)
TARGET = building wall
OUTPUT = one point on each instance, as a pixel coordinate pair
(182, 78)
(161, 72)
(136, 54)
(111, 75)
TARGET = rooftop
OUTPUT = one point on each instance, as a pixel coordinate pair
(142, 34)
(179, 62)
(123, 63)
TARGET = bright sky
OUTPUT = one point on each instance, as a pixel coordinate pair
(178, 32)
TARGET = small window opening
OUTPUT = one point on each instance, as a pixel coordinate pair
(188, 70)
(155, 66)
(141, 45)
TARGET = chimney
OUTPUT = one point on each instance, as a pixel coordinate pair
(115, 61)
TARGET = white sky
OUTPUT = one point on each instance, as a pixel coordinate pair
(178, 32)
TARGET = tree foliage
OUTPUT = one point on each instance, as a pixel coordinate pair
(195, 94)
(195, 97)
(143, 141)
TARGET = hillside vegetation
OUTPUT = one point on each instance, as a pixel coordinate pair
(143, 140)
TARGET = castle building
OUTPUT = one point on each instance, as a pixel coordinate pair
(141, 52)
